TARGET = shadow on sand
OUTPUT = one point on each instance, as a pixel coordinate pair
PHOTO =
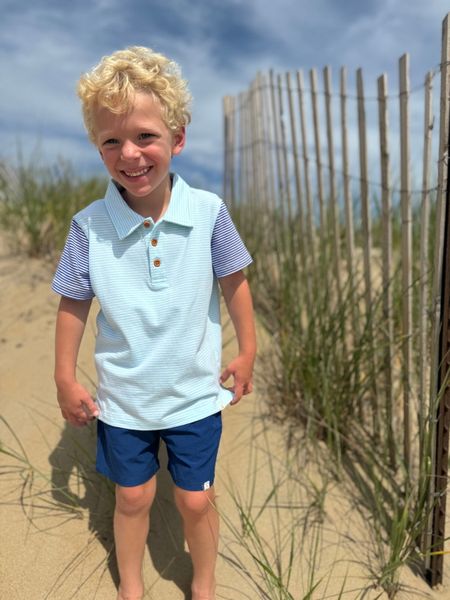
(74, 477)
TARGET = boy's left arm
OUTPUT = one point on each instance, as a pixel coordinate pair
(236, 292)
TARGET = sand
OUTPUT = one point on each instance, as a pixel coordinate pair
(55, 512)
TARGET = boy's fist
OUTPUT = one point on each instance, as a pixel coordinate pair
(241, 369)
(76, 404)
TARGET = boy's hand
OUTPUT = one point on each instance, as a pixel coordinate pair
(76, 404)
(241, 368)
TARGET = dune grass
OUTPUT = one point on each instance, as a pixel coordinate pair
(325, 376)
(273, 540)
(322, 378)
(37, 202)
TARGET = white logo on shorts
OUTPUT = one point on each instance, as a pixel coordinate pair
(206, 485)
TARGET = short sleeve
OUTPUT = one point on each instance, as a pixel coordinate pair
(72, 275)
(229, 253)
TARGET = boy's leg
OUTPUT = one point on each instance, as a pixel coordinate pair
(131, 526)
(129, 457)
(201, 529)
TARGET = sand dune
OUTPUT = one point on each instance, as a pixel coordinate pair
(55, 512)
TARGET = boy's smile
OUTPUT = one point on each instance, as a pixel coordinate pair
(137, 148)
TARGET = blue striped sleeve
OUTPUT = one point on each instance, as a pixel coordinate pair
(72, 275)
(229, 253)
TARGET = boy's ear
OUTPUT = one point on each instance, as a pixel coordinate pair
(179, 140)
(100, 152)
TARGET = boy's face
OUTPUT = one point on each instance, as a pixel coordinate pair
(137, 148)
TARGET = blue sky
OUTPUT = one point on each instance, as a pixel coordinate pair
(46, 44)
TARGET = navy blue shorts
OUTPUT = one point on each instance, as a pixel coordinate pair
(130, 457)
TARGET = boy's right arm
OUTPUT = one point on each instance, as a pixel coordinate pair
(77, 405)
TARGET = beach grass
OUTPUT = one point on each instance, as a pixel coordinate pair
(323, 380)
(324, 374)
(37, 203)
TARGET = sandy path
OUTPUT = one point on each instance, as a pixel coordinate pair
(56, 542)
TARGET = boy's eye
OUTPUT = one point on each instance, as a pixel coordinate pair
(110, 142)
(146, 136)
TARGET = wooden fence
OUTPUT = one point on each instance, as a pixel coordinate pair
(323, 161)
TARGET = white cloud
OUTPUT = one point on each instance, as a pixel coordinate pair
(44, 48)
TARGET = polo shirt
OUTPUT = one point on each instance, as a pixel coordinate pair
(158, 343)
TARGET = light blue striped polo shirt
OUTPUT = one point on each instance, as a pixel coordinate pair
(158, 345)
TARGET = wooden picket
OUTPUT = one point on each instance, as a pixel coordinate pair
(275, 144)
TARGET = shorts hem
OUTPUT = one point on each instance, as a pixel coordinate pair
(123, 482)
(193, 487)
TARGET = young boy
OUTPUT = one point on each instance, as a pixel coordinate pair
(154, 252)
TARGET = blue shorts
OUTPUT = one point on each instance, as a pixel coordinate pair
(130, 457)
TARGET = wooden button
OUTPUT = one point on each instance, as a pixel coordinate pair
(154, 242)
(146, 224)
(157, 262)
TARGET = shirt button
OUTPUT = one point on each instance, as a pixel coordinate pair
(154, 242)
(157, 262)
(146, 223)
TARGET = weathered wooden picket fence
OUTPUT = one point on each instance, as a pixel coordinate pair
(275, 162)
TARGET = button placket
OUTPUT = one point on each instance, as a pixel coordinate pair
(157, 271)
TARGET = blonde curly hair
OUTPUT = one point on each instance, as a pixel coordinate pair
(113, 83)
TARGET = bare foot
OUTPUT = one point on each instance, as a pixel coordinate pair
(198, 595)
(124, 596)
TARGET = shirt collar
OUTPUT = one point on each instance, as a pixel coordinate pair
(179, 210)
(126, 220)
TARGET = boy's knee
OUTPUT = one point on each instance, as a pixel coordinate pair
(133, 500)
(194, 503)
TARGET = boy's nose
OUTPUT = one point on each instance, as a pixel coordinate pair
(130, 150)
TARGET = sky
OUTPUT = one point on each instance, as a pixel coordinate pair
(45, 45)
